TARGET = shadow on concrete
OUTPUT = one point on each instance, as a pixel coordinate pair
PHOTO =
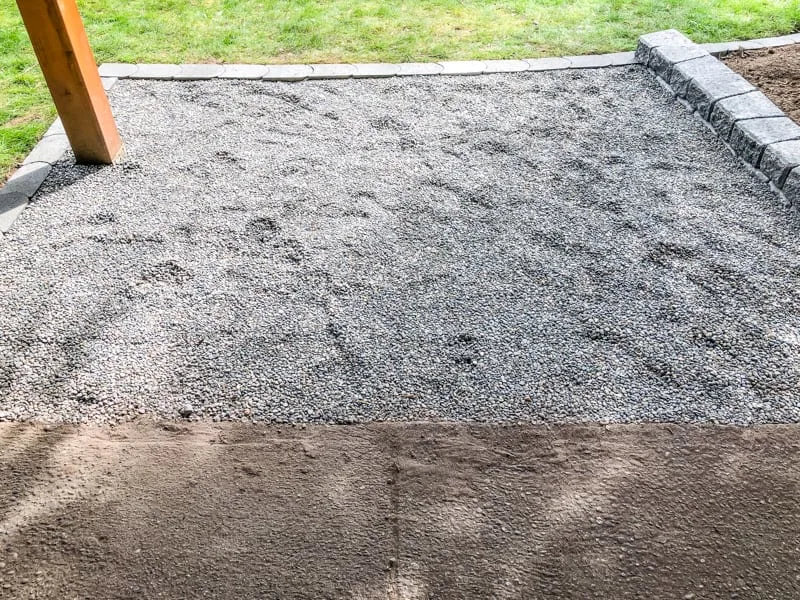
(400, 511)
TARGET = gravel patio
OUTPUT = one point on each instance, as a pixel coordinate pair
(565, 246)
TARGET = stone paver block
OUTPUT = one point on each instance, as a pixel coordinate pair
(704, 92)
(376, 70)
(750, 137)
(720, 48)
(148, 71)
(27, 179)
(684, 72)
(109, 82)
(588, 61)
(505, 66)
(420, 69)
(11, 205)
(664, 58)
(749, 45)
(334, 71)
(774, 42)
(778, 159)
(288, 72)
(119, 70)
(791, 187)
(57, 128)
(243, 72)
(647, 42)
(196, 72)
(462, 67)
(547, 64)
(619, 59)
(49, 150)
(745, 106)
(703, 81)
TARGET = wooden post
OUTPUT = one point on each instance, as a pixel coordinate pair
(61, 45)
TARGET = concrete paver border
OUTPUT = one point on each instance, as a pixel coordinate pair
(752, 127)
(662, 52)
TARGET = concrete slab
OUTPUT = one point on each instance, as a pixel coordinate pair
(28, 178)
(589, 61)
(156, 71)
(376, 70)
(50, 149)
(619, 59)
(683, 73)
(547, 64)
(332, 71)
(505, 66)
(720, 48)
(407, 69)
(288, 72)
(462, 67)
(57, 128)
(198, 71)
(243, 72)
(119, 70)
(454, 512)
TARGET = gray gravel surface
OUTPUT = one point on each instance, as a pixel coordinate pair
(564, 246)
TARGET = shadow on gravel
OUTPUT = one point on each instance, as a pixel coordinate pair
(401, 511)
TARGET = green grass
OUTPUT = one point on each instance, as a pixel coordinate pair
(267, 31)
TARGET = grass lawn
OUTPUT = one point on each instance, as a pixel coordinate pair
(273, 31)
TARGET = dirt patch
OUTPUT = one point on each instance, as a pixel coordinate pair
(776, 71)
(399, 511)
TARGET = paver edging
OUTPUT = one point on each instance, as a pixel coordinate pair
(751, 126)
(21, 187)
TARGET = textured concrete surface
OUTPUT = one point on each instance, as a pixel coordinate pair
(393, 512)
(426, 248)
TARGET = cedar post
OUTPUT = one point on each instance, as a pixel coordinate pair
(62, 47)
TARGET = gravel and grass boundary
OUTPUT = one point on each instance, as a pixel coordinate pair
(748, 140)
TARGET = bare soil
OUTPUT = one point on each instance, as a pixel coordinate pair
(776, 71)
(399, 511)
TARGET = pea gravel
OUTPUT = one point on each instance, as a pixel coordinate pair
(562, 246)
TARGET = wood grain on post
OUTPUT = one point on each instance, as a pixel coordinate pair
(62, 47)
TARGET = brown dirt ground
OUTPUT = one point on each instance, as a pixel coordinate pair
(399, 511)
(776, 71)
